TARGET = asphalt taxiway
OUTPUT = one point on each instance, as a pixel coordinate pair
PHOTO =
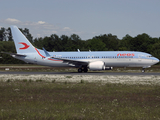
(76, 73)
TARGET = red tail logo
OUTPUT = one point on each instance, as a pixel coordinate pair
(25, 46)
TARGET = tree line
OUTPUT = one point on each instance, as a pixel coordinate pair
(106, 42)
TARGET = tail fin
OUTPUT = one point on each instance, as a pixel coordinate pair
(21, 42)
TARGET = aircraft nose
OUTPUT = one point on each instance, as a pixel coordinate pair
(156, 60)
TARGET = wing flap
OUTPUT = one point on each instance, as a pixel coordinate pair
(71, 61)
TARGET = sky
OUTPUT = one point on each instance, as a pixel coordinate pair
(86, 18)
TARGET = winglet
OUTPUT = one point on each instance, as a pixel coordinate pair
(47, 54)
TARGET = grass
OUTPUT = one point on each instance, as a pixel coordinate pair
(78, 101)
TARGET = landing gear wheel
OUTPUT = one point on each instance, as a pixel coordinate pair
(80, 70)
(85, 69)
(143, 70)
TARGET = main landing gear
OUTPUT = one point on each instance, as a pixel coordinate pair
(143, 70)
(85, 69)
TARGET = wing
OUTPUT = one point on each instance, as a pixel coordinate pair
(72, 61)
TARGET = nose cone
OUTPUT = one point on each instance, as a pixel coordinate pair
(156, 60)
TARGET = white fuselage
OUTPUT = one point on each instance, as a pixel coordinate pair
(102, 60)
(110, 58)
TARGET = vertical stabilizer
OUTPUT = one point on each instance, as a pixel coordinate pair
(21, 42)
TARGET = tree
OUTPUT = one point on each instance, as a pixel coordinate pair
(8, 46)
(56, 43)
(76, 41)
(64, 39)
(9, 34)
(95, 45)
(38, 42)
(140, 43)
(111, 41)
(155, 50)
(2, 34)
(124, 44)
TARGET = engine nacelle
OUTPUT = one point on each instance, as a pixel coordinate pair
(97, 65)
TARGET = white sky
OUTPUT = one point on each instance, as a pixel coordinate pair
(86, 18)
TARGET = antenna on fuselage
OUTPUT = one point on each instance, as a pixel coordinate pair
(78, 50)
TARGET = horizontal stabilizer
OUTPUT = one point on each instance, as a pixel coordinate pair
(19, 55)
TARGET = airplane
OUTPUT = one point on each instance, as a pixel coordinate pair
(84, 61)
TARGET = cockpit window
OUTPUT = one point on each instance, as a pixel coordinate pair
(149, 56)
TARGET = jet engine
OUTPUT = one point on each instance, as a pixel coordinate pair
(97, 65)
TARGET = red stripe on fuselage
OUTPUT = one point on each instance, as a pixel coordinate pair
(45, 57)
(39, 53)
(54, 59)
